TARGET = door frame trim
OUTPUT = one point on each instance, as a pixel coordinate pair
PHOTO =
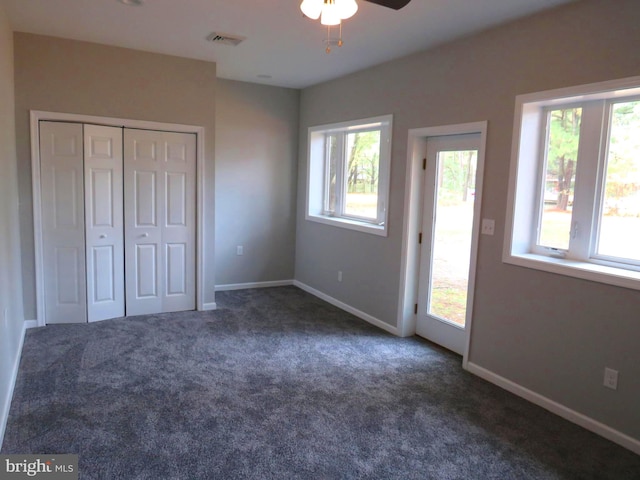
(413, 206)
(35, 116)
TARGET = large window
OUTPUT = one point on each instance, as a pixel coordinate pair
(348, 179)
(575, 183)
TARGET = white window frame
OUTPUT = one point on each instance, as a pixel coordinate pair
(317, 156)
(526, 185)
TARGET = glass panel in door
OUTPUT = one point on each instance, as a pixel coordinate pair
(452, 232)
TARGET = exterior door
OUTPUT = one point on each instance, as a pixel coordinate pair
(159, 221)
(62, 200)
(104, 222)
(445, 285)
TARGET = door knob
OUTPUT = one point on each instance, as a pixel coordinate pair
(103, 236)
(145, 235)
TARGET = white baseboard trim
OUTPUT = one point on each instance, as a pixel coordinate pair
(209, 306)
(30, 324)
(589, 423)
(6, 403)
(347, 308)
(242, 286)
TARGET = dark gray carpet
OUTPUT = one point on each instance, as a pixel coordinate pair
(277, 384)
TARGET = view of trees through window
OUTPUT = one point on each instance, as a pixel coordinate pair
(451, 245)
(361, 175)
(560, 170)
(619, 213)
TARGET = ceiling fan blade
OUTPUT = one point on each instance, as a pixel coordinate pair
(395, 4)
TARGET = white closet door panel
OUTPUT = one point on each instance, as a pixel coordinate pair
(103, 283)
(177, 148)
(177, 203)
(66, 184)
(102, 199)
(146, 199)
(70, 286)
(160, 221)
(177, 269)
(179, 221)
(146, 274)
(104, 220)
(63, 237)
(144, 206)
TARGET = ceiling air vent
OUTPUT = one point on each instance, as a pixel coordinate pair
(225, 39)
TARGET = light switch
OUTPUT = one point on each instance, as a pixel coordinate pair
(488, 226)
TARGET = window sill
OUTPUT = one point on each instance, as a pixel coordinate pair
(349, 224)
(619, 277)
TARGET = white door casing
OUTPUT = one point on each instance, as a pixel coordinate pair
(103, 165)
(159, 221)
(62, 196)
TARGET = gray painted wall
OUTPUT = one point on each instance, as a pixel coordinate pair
(68, 76)
(551, 334)
(11, 324)
(256, 173)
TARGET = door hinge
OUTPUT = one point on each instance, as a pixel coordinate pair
(420, 237)
(415, 309)
(424, 163)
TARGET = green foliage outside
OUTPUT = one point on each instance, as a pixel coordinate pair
(457, 177)
(623, 161)
(361, 172)
(562, 152)
(622, 188)
(363, 169)
(452, 235)
(450, 303)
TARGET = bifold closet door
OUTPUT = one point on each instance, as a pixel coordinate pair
(104, 222)
(62, 208)
(159, 192)
(82, 222)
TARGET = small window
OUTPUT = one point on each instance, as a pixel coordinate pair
(348, 179)
(574, 195)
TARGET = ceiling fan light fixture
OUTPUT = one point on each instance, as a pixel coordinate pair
(330, 15)
(312, 8)
(331, 12)
(348, 8)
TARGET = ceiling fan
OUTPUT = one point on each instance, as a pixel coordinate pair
(395, 4)
(333, 12)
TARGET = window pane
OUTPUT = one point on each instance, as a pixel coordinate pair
(363, 167)
(619, 233)
(331, 172)
(559, 177)
(455, 196)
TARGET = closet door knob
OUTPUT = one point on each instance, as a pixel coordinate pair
(145, 235)
(103, 236)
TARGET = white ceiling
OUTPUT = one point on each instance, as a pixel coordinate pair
(280, 42)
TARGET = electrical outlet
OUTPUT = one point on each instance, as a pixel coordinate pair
(488, 226)
(611, 378)
(239, 250)
(339, 275)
